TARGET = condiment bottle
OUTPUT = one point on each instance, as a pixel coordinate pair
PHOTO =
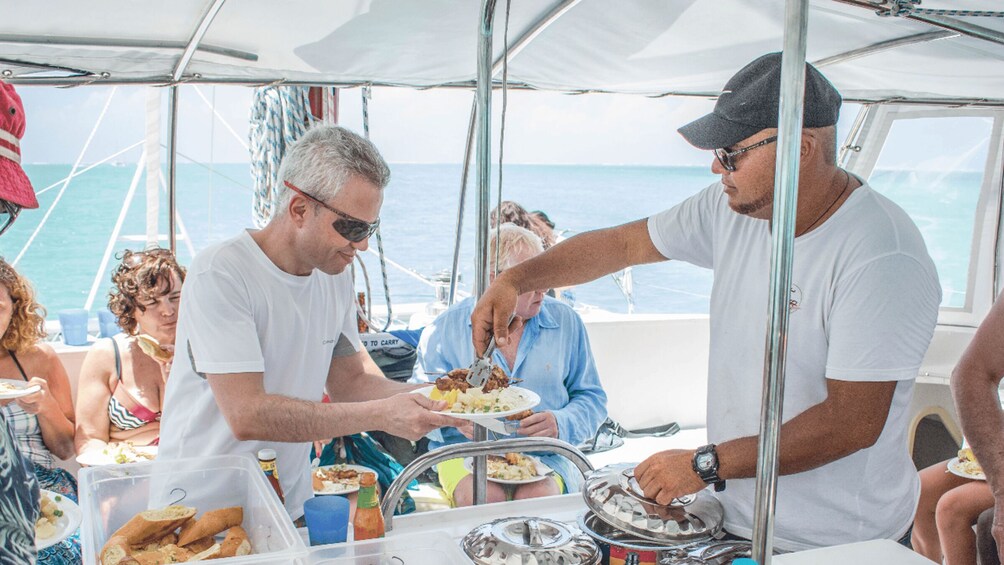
(368, 521)
(266, 459)
(363, 326)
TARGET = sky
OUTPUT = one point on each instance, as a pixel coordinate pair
(408, 126)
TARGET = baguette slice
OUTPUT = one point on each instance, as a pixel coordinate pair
(152, 525)
(212, 523)
(116, 552)
(236, 543)
(201, 544)
(152, 347)
(211, 553)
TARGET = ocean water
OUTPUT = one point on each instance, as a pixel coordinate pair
(64, 258)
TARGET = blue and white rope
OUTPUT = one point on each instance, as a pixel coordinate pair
(279, 116)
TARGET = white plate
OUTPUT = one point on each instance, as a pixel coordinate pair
(22, 389)
(542, 472)
(97, 458)
(65, 524)
(955, 467)
(530, 399)
(338, 488)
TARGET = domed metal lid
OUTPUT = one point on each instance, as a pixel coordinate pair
(613, 494)
(529, 541)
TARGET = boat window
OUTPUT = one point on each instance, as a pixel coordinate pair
(934, 167)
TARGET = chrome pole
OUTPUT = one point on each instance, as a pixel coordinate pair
(484, 160)
(468, 147)
(172, 169)
(782, 251)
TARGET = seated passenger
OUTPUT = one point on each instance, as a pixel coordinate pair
(513, 213)
(550, 353)
(122, 385)
(42, 423)
(948, 509)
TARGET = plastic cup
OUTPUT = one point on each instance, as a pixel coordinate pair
(327, 519)
(74, 326)
(108, 323)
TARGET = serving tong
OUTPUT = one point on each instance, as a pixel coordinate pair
(481, 368)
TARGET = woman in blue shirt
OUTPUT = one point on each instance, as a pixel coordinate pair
(550, 353)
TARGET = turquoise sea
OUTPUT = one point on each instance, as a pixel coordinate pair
(64, 257)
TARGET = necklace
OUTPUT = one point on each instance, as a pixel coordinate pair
(847, 184)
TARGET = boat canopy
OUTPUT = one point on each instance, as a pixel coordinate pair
(932, 51)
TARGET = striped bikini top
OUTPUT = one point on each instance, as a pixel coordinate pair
(121, 417)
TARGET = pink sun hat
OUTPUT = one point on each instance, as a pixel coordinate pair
(14, 184)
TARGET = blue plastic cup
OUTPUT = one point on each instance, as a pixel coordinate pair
(108, 323)
(327, 519)
(74, 326)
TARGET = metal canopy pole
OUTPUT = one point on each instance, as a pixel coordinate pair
(782, 251)
(484, 158)
(172, 169)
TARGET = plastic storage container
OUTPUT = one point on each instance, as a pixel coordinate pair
(111, 495)
(428, 548)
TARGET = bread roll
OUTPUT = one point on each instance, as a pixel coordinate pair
(152, 347)
(236, 543)
(167, 554)
(116, 552)
(152, 525)
(211, 553)
(201, 544)
(212, 523)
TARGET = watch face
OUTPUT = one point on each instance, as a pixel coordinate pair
(704, 461)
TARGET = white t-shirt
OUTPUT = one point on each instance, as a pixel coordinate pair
(864, 303)
(240, 313)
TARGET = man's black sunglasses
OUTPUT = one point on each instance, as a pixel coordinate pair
(727, 158)
(349, 227)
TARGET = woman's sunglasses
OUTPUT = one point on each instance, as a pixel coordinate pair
(8, 213)
(349, 227)
(135, 258)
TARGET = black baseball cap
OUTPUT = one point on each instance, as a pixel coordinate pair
(749, 103)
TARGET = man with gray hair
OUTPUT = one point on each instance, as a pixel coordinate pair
(267, 325)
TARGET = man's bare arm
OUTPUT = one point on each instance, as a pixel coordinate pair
(356, 377)
(576, 260)
(252, 413)
(851, 418)
(975, 382)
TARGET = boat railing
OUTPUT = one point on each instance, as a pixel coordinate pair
(475, 449)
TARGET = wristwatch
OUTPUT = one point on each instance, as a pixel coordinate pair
(705, 464)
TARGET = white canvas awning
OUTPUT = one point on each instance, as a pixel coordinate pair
(649, 47)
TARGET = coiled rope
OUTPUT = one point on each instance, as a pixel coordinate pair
(279, 116)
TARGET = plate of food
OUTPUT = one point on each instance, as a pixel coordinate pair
(11, 388)
(496, 399)
(337, 479)
(118, 454)
(966, 466)
(513, 468)
(58, 519)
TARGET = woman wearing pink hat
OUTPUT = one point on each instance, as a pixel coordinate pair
(19, 495)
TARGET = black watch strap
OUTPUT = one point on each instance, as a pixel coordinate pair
(708, 472)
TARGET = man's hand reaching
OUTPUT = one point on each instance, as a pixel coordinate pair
(491, 315)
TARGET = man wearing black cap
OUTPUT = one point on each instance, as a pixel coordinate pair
(19, 495)
(864, 303)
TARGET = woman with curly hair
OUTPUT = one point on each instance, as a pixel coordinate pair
(123, 378)
(41, 423)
